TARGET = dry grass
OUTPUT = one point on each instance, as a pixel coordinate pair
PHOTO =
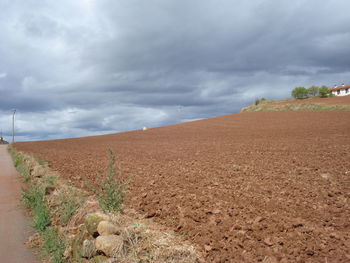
(294, 107)
(145, 241)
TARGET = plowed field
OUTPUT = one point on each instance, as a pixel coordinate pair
(248, 187)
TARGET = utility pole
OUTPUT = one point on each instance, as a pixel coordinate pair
(13, 126)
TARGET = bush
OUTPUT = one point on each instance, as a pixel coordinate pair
(112, 191)
(259, 101)
(300, 93)
(324, 92)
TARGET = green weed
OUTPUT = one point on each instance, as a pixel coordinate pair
(53, 246)
(18, 160)
(33, 198)
(111, 194)
(41, 218)
(50, 180)
(41, 162)
(69, 202)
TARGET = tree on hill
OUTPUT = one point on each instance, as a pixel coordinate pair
(313, 90)
(323, 92)
(259, 101)
(300, 93)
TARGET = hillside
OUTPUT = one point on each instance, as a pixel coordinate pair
(264, 186)
(310, 104)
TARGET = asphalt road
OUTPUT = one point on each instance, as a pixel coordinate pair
(14, 224)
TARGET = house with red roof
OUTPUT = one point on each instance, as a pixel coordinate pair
(342, 90)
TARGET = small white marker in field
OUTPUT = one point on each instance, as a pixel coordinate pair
(145, 128)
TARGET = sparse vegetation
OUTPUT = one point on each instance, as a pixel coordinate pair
(112, 191)
(295, 107)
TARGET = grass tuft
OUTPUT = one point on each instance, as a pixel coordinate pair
(53, 246)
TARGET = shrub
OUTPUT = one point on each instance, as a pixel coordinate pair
(324, 92)
(259, 101)
(299, 93)
(111, 194)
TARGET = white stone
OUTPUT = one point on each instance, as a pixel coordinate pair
(110, 245)
(106, 228)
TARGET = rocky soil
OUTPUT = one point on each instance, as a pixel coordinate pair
(265, 186)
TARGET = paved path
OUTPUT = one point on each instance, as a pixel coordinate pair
(14, 229)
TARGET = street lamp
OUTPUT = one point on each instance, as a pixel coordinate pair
(13, 126)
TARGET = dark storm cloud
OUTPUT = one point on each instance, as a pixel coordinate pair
(87, 67)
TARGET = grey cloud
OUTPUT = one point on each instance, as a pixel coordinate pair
(76, 68)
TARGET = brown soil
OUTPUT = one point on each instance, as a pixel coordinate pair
(265, 186)
(14, 229)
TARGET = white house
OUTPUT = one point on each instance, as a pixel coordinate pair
(343, 90)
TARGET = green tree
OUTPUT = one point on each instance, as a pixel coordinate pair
(323, 92)
(313, 90)
(299, 93)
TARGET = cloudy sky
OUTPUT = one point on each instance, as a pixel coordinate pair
(84, 67)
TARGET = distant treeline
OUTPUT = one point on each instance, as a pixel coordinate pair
(303, 93)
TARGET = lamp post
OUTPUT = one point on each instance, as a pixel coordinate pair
(13, 126)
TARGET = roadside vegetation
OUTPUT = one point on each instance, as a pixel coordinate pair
(34, 198)
(112, 191)
(74, 225)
